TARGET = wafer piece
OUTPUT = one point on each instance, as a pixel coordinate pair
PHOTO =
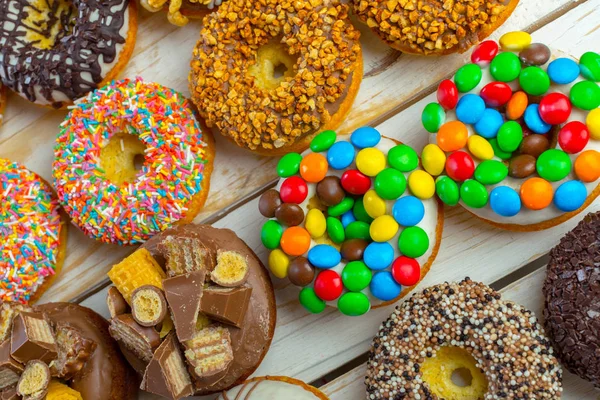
(138, 339)
(10, 370)
(60, 391)
(231, 270)
(34, 381)
(183, 255)
(148, 305)
(139, 269)
(8, 311)
(116, 302)
(209, 352)
(32, 338)
(73, 352)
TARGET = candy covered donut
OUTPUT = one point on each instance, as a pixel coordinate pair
(496, 347)
(515, 135)
(34, 236)
(353, 221)
(179, 11)
(100, 142)
(269, 75)
(54, 52)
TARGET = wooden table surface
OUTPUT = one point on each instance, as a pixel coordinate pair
(327, 349)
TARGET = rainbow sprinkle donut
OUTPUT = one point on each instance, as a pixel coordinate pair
(33, 235)
(515, 136)
(354, 221)
(94, 170)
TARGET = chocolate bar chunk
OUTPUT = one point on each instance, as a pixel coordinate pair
(34, 381)
(183, 294)
(9, 393)
(167, 375)
(209, 352)
(115, 302)
(32, 338)
(148, 305)
(139, 339)
(227, 305)
(73, 352)
(8, 311)
(10, 370)
(231, 270)
(183, 255)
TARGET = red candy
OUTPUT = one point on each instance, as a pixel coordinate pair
(573, 137)
(293, 190)
(355, 182)
(460, 166)
(484, 53)
(555, 108)
(406, 271)
(447, 94)
(496, 94)
(328, 285)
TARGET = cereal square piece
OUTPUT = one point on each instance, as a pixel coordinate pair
(139, 269)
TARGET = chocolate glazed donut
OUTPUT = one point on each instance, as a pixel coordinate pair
(52, 52)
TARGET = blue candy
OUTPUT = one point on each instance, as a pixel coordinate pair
(563, 70)
(324, 256)
(340, 155)
(505, 201)
(470, 108)
(384, 287)
(534, 121)
(408, 211)
(489, 124)
(378, 255)
(347, 218)
(570, 196)
(365, 137)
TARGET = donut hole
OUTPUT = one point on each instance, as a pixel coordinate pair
(48, 22)
(273, 65)
(122, 158)
(462, 377)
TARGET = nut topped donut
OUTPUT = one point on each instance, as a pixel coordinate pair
(53, 53)
(515, 136)
(95, 173)
(271, 74)
(353, 221)
(497, 347)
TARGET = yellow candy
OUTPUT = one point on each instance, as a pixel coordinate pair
(593, 123)
(433, 159)
(383, 228)
(315, 224)
(370, 161)
(279, 263)
(480, 147)
(421, 184)
(374, 205)
(515, 41)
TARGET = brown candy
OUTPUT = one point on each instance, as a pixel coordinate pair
(34, 381)
(139, 339)
(268, 203)
(231, 270)
(115, 302)
(330, 191)
(74, 351)
(10, 369)
(301, 272)
(535, 54)
(8, 311)
(353, 249)
(210, 351)
(289, 214)
(227, 305)
(184, 255)
(32, 338)
(534, 145)
(521, 166)
(148, 305)
(183, 293)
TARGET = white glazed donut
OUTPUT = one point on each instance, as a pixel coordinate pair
(273, 387)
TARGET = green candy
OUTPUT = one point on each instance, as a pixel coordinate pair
(403, 158)
(359, 211)
(590, 66)
(335, 230)
(390, 184)
(310, 300)
(270, 234)
(289, 165)
(491, 172)
(356, 276)
(354, 304)
(534, 81)
(510, 136)
(553, 165)
(498, 152)
(432, 117)
(358, 230)
(473, 194)
(585, 95)
(340, 208)
(467, 77)
(413, 242)
(505, 67)
(323, 141)
(447, 190)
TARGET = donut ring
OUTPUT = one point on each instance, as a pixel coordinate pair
(334, 217)
(461, 325)
(83, 46)
(515, 136)
(234, 80)
(273, 387)
(178, 11)
(34, 236)
(119, 204)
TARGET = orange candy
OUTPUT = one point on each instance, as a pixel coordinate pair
(452, 136)
(536, 193)
(587, 166)
(295, 241)
(515, 108)
(313, 167)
